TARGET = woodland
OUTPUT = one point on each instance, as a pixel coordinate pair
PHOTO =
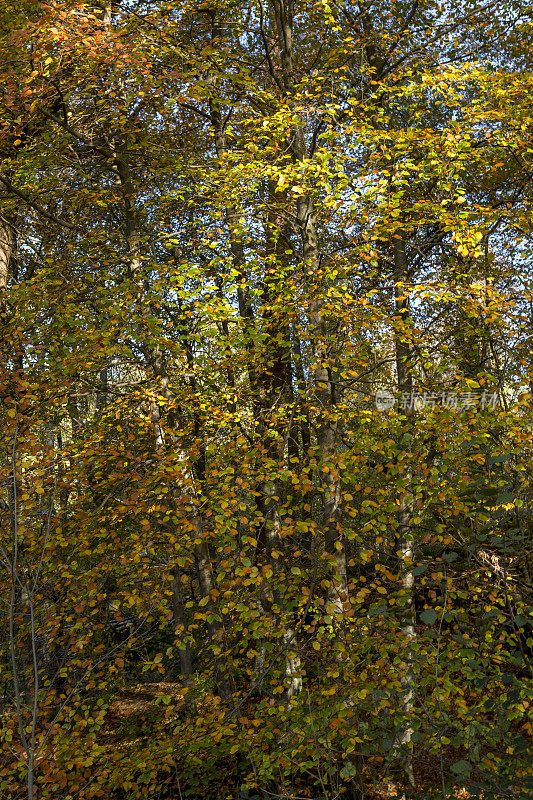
(266, 399)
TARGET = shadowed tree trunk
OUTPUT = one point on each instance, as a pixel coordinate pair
(323, 389)
(155, 361)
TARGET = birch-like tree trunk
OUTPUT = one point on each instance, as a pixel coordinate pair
(403, 744)
(7, 242)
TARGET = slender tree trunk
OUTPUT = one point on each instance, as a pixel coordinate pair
(7, 242)
(323, 388)
(246, 311)
(403, 744)
(157, 365)
(305, 432)
(180, 618)
(276, 423)
(272, 377)
(232, 406)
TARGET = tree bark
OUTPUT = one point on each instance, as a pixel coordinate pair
(403, 744)
(323, 389)
(7, 243)
(157, 365)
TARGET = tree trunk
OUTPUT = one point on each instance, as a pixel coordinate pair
(156, 363)
(7, 242)
(403, 743)
(323, 389)
(275, 423)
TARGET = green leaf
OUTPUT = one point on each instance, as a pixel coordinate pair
(449, 557)
(462, 767)
(429, 616)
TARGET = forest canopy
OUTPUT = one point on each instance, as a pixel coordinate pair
(266, 387)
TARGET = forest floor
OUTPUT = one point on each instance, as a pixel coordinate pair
(131, 715)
